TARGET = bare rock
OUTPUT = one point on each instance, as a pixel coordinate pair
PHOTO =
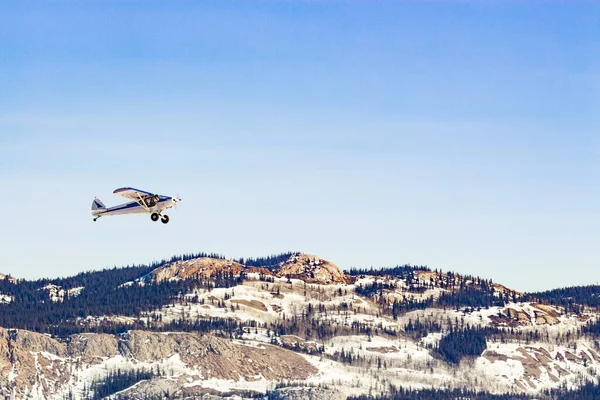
(24, 353)
(203, 267)
(36, 342)
(312, 269)
(92, 348)
(217, 357)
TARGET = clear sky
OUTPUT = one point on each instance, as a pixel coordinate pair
(459, 135)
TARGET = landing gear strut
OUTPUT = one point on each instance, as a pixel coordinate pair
(163, 218)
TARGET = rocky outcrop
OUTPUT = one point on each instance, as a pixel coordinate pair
(215, 357)
(295, 342)
(93, 348)
(9, 278)
(526, 314)
(311, 269)
(538, 365)
(36, 363)
(203, 267)
(24, 355)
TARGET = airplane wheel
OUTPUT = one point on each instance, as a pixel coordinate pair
(165, 219)
(154, 217)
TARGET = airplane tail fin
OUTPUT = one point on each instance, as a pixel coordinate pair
(98, 207)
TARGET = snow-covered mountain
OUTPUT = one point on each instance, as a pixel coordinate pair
(307, 326)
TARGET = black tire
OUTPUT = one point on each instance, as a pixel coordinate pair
(165, 219)
(154, 217)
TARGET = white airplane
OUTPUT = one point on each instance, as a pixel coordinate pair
(143, 203)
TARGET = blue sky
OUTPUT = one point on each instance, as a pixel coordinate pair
(460, 135)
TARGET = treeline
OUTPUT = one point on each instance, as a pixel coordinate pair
(105, 295)
(592, 329)
(467, 296)
(269, 262)
(224, 327)
(572, 299)
(461, 340)
(118, 274)
(116, 381)
(435, 394)
(482, 296)
(400, 271)
(417, 329)
(460, 343)
(472, 291)
(589, 391)
(460, 290)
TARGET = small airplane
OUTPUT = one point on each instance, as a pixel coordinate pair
(143, 203)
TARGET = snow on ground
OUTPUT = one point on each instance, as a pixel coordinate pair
(57, 293)
(223, 385)
(86, 374)
(5, 298)
(177, 371)
(529, 367)
(447, 317)
(268, 302)
(396, 352)
(74, 292)
(431, 339)
(407, 363)
(259, 335)
(483, 317)
(361, 380)
(537, 366)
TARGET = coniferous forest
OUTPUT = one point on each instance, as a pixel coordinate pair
(588, 391)
(116, 291)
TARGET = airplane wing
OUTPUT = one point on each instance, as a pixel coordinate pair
(133, 194)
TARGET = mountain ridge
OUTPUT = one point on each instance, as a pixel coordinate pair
(358, 331)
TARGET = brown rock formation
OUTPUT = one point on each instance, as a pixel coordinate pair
(203, 267)
(217, 357)
(30, 360)
(312, 269)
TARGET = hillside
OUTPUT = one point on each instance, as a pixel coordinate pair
(295, 324)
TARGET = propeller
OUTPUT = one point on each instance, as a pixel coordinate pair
(176, 200)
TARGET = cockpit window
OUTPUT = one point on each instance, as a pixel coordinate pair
(149, 201)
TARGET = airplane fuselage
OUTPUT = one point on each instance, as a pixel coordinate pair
(134, 207)
(143, 203)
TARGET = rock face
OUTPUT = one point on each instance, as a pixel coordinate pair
(538, 364)
(529, 315)
(24, 354)
(312, 269)
(93, 348)
(309, 268)
(203, 267)
(35, 363)
(215, 357)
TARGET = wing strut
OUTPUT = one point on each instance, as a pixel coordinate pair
(142, 203)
